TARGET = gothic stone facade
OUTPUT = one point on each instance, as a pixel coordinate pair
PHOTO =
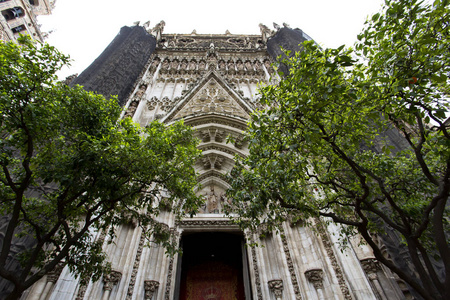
(210, 81)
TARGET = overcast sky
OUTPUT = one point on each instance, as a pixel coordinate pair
(83, 28)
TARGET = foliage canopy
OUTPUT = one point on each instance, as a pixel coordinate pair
(71, 169)
(359, 137)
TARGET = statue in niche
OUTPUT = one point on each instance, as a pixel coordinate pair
(192, 65)
(212, 205)
(132, 109)
(202, 65)
(248, 66)
(165, 64)
(218, 163)
(206, 163)
(174, 64)
(140, 92)
(220, 135)
(240, 65)
(155, 64)
(184, 64)
(221, 65)
(206, 137)
(212, 50)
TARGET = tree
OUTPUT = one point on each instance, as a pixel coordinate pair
(70, 168)
(322, 146)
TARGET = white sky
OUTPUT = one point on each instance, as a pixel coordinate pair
(84, 28)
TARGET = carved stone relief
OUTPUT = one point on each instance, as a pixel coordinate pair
(111, 280)
(290, 265)
(137, 260)
(215, 201)
(276, 286)
(212, 98)
(150, 287)
(315, 276)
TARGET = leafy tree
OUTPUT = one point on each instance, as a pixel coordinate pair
(322, 148)
(70, 168)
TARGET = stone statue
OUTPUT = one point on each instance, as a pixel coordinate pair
(146, 25)
(212, 206)
(158, 30)
(276, 26)
(266, 33)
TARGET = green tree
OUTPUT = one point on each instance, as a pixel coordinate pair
(322, 146)
(70, 168)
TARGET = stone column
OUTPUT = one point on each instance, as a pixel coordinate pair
(109, 281)
(150, 287)
(52, 278)
(371, 267)
(276, 286)
(315, 276)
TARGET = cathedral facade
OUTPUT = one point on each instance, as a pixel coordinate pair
(211, 82)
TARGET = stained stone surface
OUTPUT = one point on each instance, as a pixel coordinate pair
(116, 70)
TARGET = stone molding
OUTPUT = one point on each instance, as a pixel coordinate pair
(315, 276)
(150, 287)
(290, 265)
(212, 44)
(204, 223)
(111, 280)
(249, 237)
(176, 238)
(276, 286)
(334, 262)
(136, 264)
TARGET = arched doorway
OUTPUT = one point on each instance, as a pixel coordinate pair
(213, 267)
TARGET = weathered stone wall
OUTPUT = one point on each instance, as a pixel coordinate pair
(116, 70)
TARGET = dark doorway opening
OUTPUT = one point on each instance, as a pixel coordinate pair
(214, 267)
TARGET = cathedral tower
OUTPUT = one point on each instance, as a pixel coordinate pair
(19, 17)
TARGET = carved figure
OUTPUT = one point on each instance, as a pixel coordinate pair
(158, 30)
(220, 135)
(146, 25)
(276, 26)
(218, 163)
(150, 287)
(206, 163)
(266, 33)
(276, 286)
(212, 50)
(212, 205)
(205, 136)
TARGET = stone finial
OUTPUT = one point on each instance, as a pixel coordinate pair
(150, 286)
(111, 280)
(146, 25)
(266, 33)
(315, 276)
(276, 286)
(158, 30)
